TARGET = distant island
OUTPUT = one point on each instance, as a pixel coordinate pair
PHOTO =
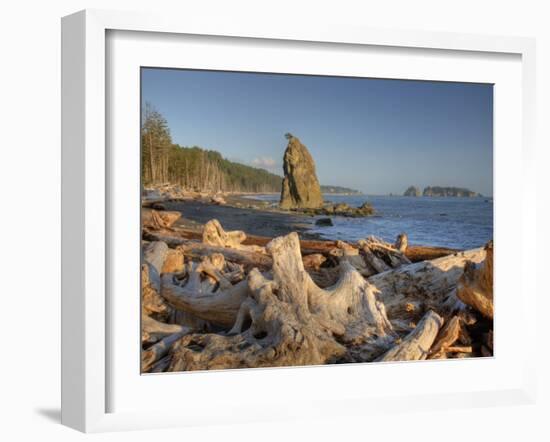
(439, 191)
(412, 191)
(333, 190)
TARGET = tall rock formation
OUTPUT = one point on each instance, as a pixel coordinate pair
(301, 189)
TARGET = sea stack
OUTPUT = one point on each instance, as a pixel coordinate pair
(301, 189)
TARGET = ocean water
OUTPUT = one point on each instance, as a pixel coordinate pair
(460, 223)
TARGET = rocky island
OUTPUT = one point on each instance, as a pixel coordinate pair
(412, 191)
(449, 191)
(439, 191)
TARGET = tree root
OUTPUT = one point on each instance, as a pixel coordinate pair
(289, 320)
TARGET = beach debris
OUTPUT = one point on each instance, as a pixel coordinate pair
(402, 242)
(209, 301)
(446, 338)
(381, 255)
(475, 287)
(173, 262)
(160, 193)
(288, 320)
(346, 252)
(212, 290)
(314, 261)
(417, 344)
(426, 284)
(153, 219)
(213, 234)
(324, 222)
(218, 200)
(153, 331)
(160, 349)
(152, 304)
(301, 189)
(372, 259)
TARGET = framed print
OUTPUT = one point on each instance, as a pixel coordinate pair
(293, 218)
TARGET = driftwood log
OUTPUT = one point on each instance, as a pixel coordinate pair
(410, 291)
(417, 344)
(475, 286)
(154, 219)
(392, 256)
(152, 303)
(207, 290)
(402, 242)
(214, 235)
(446, 338)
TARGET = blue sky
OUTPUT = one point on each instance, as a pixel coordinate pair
(378, 136)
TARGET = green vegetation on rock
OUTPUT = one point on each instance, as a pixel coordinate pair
(449, 191)
(412, 191)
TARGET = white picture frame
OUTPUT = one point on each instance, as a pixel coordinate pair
(87, 177)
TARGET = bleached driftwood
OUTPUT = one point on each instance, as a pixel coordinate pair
(173, 262)
(314, 261)
(372, 260)
(475, 287)
(402, 242)
(214, 235)
(207, 291)
(445, 339)
(219, 200)
(154, 255)
(409, 291)
(153, 330)
(154, 219)
(169, 237)
(385, 251)
(197, 250)
(288, 320)
(159, 350)
(347, 252)
(416, 345)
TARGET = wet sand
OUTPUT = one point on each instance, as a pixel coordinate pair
(255, 217)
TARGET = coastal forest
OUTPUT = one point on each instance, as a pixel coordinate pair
(195, 168)
(198, 169)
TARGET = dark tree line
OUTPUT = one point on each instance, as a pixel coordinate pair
(193, 167)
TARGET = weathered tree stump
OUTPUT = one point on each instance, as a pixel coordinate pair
(288, 320)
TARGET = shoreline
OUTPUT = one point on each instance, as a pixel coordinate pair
(262, 224)
(262, 217)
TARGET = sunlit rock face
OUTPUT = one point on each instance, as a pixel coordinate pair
(301, 189)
